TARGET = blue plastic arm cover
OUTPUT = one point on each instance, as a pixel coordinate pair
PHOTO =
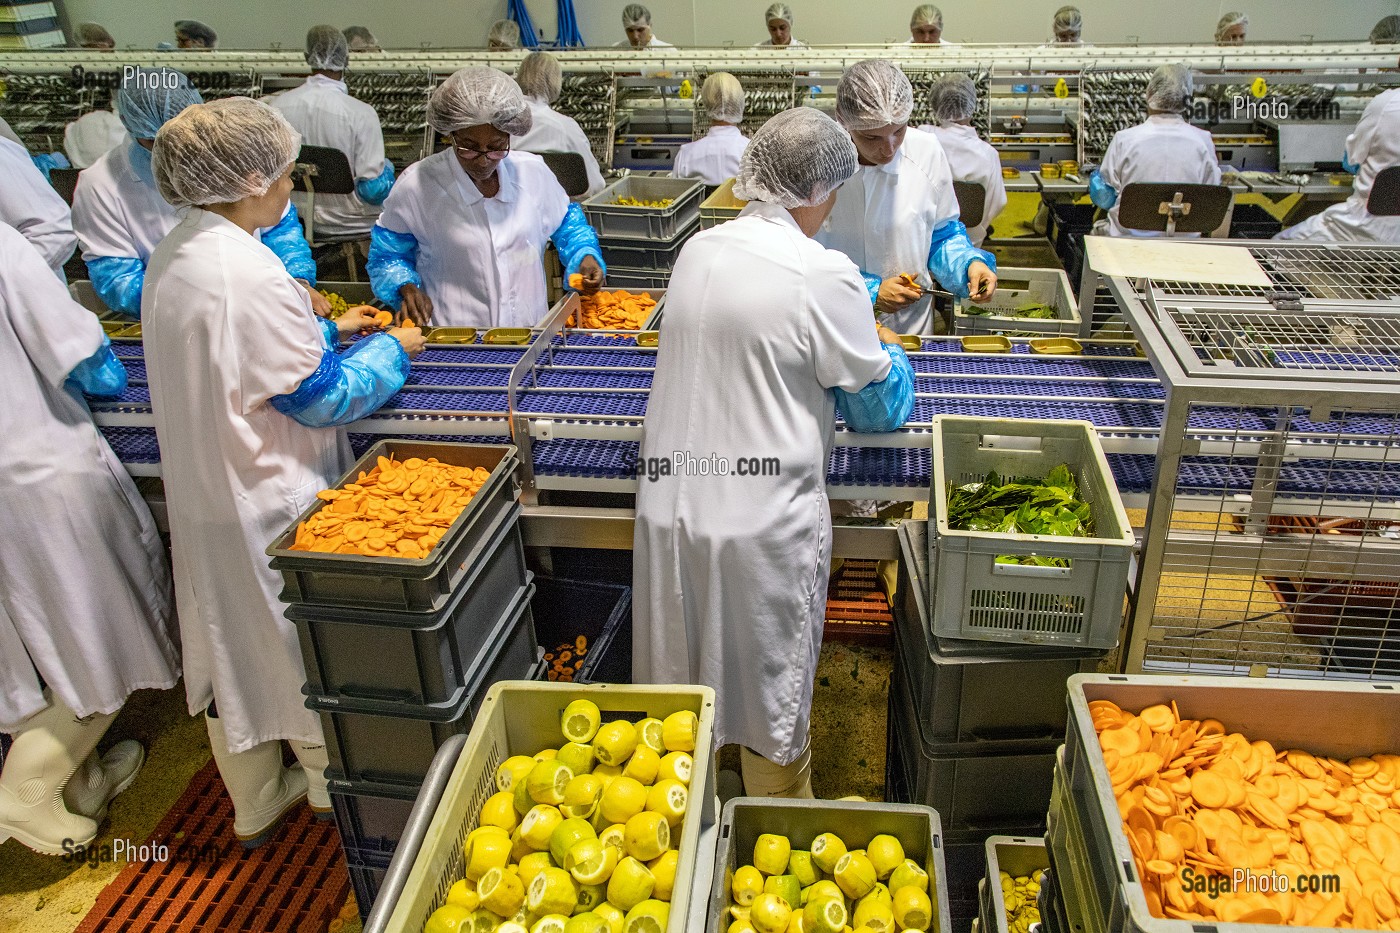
(375, 190)
(950, 255)
(576, 239)
(393, 263)
(348, 386)
(1101, 192)
(101, 375)
(117, 281)
(872, 285)
(288, 242)
(330, 333)
(1348, 165)
(881, 406)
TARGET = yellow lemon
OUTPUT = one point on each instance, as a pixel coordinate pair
(623, 799)
(534, 863)
(678, 731)
(676, 766)
(520, 796)
(499, 810)
(669, 799)
(590, 896)
(646, 836)
(855, 875)
(786, 887)
(539, 825)
(827, 850)
(746, 885)
(449, 918)
(462, 895)
(909, 873)
(875, 914)
(886, 854)
(650, 916)
(547, 754)
(800, 864)
(547, 781)
(552, 891)
(485, 852)
(591, 862)
(615, 918)
(581, 796)
(578, 758)
(822, 889)
(770, 854)
(580, 721)
(663, 869)
(615, 742)
(630, 884)
(615, 836)
(501, 892)
(566, 835)
(586, 922)
(741, 926)
(643, 765)
(550, 923)
(513, 769)
(649, 733)
(825, 915)
(770, 914)
(912, 908)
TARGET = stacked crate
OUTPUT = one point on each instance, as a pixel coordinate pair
(640, 244)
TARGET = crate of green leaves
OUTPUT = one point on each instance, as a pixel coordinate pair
(1028, 541)
(1038, 302)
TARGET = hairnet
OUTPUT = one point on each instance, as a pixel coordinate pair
(504, 32)
(634, 14)
(723, 96)
(90, 34)
(874, 93)
(796, 159)
(540, 77)
(779, 11)
(361, 39)
(1068, 19)
(1229, 21)
(145, 104)
(222, 151)
(953, 99)
(926, 15)
(1170, 89)
(478, 96)
(194, 30)
(326, 49)
(1387, 30)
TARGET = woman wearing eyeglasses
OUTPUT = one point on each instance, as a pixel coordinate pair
(462, 236)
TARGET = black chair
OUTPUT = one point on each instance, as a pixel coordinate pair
(323, 170)
(1173, 208)
(1385, 193)
(972, 202)
(64, 181)
(570, 169)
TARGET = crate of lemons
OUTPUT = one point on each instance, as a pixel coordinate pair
(580, 838)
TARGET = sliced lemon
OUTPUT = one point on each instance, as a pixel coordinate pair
(580, 721)
(650, 916)
(644, 765)
(646, 836)
(552, 891)
(663, 869)
(739, 913)
(547, 781)
(615, 918)
(912, 908)
(590, 896)
(615, 742)
(886, 854)
(669, 799)
(449, 918)
(520, 796)
(875, 914)
(769, 913)
(822, 889)
(591, 862)
(623, 799)
(586, 922)
(676, 766)
(482, 919)
(534, 863)
(539, 825)
(649, 733)
(746, 885)
(678, 731)
(608, 773)
(511, 770)
(878, 893)
(827, 850)
(501, 892)
(462, 894)
(800, 864)
(741, 926)
(797, 923)
(630, 884)
(825, 915)
(770, 854)
(786, 887)
(512, 926)
(855, 875)
(579, 758)
(550, 923)
(499, 810)
(615, 836)
(566, 835)
(909, 873)
(519, 848)
(546, 754)
(581, 796)
(485, 852)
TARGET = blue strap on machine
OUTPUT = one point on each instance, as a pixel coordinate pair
(881, 406)
(289, 243)
(872, 285)
(950, 255)
(347, 387)
(375, 190)
(568, 36)
(515, 10)
(101, 375)
(576, 239)
(1101, 192)
(117, 281)
(393, 263)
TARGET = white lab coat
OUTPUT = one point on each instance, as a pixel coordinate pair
(551, 131)
(8, 132)
(226, 330)
(942, 42)
(1373, 146)
(792, 44)
(325, 114)
(731, 571)
(84, 589)
(972, 159)
(1163, 148)
(655, 43)
(481, 259)
(713, 157)
(87, 138)
(118, 213)
(31, 205)
(885, 216)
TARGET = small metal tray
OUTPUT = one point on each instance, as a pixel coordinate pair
(911, 342)
(648, 338)
(507, 335)
(986, 343)
(1057, 346)
(450, 335)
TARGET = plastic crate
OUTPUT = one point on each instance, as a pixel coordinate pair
(371, 817)
(522, 718)
(602, 612)
(1018, 856)
(611, 219)
(393, 743)
(1079, 606)
(367, 873)
(721, 206)
(1017, 287)
(406, 657)
(354, 293)
(1082, 905)
(419, 585)
(633, 253)
(746, 818)
(657, 294)
(641, 279)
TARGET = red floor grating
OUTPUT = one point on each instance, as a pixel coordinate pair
(297, 883)
(856, 606)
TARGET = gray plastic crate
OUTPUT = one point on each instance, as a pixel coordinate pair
(1077, 883)
(1018, 856)
(419, 585)
(1015, 288)
(611, 219)
(977, 597)
(640, 279)
(615, 283)
(632, 253)
(917, 828)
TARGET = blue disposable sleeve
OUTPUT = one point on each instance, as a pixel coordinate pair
(289, 243)
(48, 161)
(1348, 165)
(330, 333)
(393, 263)
(117, 281)
(872, 285)
(1101, 192)
(881, 406)
(375, 190)
(951, 253)
(575, 238)
(101, 375)
(347, 387)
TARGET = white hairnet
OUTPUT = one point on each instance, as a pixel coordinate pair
(361, 39)
(478, 96)
(796, 159)
(196, 31)
(222, 151)
(1169, 90)
(146, 102)
(540, 77)
(634, 14)
(505, 32)
(1229, 21)
(779, 11)
(90, 35)
(926, 15)
(953, 99)
(723, 96)
(874, 93)
(1068, 19)
(1387, 30)
(326, 49)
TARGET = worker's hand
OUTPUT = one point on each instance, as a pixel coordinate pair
(417, 307)
(357, 319)
(981, 282)
(886, 335)
(592, 275)
(319, 303)
(410, 337)
(895, 295)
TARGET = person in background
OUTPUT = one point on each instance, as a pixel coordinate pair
(898, 213)
(193, 35)
(953, 100)
(1231, 29)
(1387, 29)
(778, 19)
(1067, 28)
(636, 22)
(360, 39)
(325, 114)
(504, 36)
(120, 215)
(93, 36)
(541, 80)
(769, 336)
(462, 237)
(93, 637)
(1163, 148)
(715, 156)
(30, 204)
(250, 395)
(92, 135)
(926, 26)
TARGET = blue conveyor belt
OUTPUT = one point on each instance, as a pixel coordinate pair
(133, 445)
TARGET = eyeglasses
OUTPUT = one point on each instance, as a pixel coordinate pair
(494, 155)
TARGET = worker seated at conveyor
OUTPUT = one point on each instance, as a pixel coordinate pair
(953, 101)
(778, 18)
(714, 157)
(636, 23)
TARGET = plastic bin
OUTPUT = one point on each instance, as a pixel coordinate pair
(354, 293)
(1017, 287)
(395, 583)
(1082, 904)
(371, 817)
(367, 871)
(522, 718)
(641, 279)
(633, 253)
(746, 818)
(611, 219)
(382, 742)
(602, 612)
(1017, 855)
(1079, 606)
(721, 206)
(657, 294)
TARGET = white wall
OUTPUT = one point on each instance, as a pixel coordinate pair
(409, 23)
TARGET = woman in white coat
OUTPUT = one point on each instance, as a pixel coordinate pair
(84, 589)
(778, 18)
(462, 237)
(970, 158)
(898, 213)
(731, 568)
(248, 392)
(541, 80)
(31, 205)
(715, 156)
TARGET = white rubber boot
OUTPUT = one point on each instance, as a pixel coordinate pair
(48, 749)
(763, 778)
(313, 761)
(98, 781)
(262, 790)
